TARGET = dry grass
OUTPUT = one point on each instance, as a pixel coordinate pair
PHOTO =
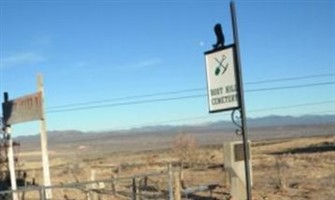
(282, 169)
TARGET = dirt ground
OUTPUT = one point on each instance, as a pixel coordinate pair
(300, 168)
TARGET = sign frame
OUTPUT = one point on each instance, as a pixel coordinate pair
(236, 78)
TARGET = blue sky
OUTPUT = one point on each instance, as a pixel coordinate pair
(101, 50)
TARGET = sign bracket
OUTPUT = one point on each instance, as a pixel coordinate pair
(236, 119)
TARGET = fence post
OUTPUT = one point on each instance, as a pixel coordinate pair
(94, 186)
(145, 182)
(23, 194)
(177, 193)
(134, 189)
(88, 195)
(42, 193)
(170, 182)
(181, 175)
(113, 185)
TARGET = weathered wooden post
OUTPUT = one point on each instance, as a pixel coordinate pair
(177, 192)
(44, 140)
(93, 186)
(113, 184)
(42, 193)
(11, 162)
(134, 189)
(145, 182)
(181, 176)
(24, 109)
(170, 181)
(6, 110)
(88, 195)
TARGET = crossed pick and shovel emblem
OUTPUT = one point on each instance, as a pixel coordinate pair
(221, 68)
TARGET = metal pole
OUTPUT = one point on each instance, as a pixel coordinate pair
(241, 101)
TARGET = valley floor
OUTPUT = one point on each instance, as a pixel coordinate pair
(299, 168)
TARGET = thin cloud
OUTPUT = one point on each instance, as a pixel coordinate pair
(77, 67)
(21, 59)
(89, 67)
(146, 63)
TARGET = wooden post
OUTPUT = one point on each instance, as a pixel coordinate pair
(134, 189)
(42, 192)
(92, 175)
(10, 151)
(170, 182)
(93, 186)
(139, 189)
(113, 184)
(181, 176)
(145, 184)
(11, 162)
(88, 195)
(44, 142)
(177, 192)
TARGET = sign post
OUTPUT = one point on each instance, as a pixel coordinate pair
(44, 141)
(241, 102)
(10, 151)
(225, 85)
(24, 109)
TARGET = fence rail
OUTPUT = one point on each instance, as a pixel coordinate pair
(143, 186)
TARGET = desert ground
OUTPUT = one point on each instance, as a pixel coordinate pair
(300, 167)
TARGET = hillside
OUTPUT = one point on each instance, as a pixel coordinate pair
(161, 136)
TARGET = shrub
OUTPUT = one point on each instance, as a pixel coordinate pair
(184, 148)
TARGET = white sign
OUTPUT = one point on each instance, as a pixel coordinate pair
(23, 109)
(221, 80)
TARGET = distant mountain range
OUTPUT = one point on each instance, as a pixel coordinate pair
(221, 125)
(269, 127)
(269, 121)
(275, 120)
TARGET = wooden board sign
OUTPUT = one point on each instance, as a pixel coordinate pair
(23, 109)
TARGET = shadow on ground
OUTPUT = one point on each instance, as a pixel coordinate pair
(318, 148)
